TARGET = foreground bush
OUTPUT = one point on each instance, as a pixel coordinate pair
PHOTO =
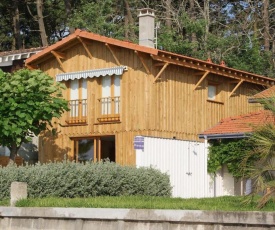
(69, 179)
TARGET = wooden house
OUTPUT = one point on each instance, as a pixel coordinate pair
(118, 90)
(13, 60)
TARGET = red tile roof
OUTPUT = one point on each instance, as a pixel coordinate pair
(91, 36)
(270, 92)
(239, 125)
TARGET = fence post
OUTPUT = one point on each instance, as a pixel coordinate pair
(18, 191)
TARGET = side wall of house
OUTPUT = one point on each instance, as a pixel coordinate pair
(169, 107)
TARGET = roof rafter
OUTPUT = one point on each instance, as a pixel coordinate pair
(31, 67)
(236, 87)
(202, 78)
(143, 62)
(113, 53)
(160, 72)
(58, 56)
(85, 47)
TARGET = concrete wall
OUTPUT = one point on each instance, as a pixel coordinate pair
(12, 218)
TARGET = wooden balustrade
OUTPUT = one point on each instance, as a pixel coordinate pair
(109, 108)
(78, 111)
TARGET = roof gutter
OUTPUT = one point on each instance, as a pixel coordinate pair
(223, 136)
(254, 100)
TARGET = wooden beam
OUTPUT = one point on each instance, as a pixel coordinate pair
(159, 64)
(202, 78)
(31, 67)
(198, 73)
(58, 56)
(236, 87)
(113, 53)
(85, 47)
(143, 62)
(160, 72)
(234, 82)
(224, 71)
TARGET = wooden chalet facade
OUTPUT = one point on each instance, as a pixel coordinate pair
(118, 90)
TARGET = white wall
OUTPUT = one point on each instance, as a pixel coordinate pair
(184, 161)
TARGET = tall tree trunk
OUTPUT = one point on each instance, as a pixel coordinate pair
(43, 35)
(193, 18)
(17, 44)
(168, 20)
(207, 18)
(266, 25)
(129, 22)
(68, 8)
(14, 149)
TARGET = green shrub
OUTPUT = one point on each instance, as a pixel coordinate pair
(70, 179)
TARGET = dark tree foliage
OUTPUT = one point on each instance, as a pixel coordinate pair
(240, 33)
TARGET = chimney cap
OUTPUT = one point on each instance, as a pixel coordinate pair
(146, 11)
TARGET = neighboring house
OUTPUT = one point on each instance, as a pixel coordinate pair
(118, 90)
(238, 127)
(11, 61)
(268, 93)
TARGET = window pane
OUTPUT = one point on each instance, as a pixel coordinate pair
(106, 86)
(86, 150)
(74, 85)
(117, 85)
(117, 93)
(84, 89)
(212, 90)
(74, 105)
(106, 92)
(74, 89)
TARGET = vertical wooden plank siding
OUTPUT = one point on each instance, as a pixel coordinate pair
(167, 108)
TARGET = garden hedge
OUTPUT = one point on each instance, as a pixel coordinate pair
(70, 179)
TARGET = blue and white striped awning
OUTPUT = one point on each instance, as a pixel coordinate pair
(118, 70)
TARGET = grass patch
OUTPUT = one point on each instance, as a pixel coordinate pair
(147, 202)
(5, 202)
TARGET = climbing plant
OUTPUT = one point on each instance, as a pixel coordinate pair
(232, 153)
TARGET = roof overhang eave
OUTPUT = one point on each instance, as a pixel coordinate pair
(254, 100)
(223, 136)
(84, 34)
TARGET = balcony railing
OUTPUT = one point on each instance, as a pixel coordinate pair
(110, 109)
(78, 111)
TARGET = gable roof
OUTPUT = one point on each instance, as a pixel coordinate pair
(238, 126)
(157, 55)
(268, 93)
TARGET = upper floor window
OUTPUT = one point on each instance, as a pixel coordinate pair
(212, 92)
(110, 100)
(78, 101)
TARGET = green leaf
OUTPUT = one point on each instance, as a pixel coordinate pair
(27, 104)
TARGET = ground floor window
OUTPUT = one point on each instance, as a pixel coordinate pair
(94, 148)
